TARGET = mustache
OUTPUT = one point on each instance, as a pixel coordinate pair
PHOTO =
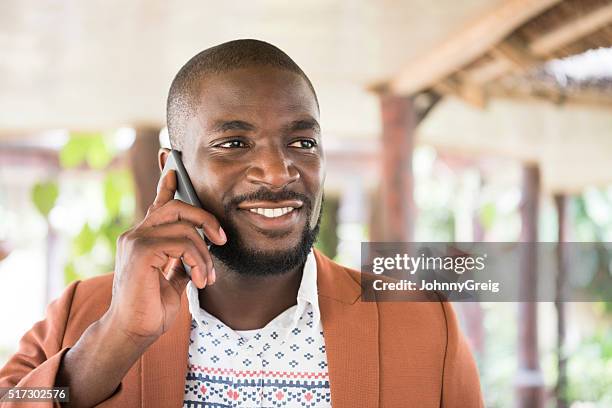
(263, 194)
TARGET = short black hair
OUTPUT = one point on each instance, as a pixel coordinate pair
(236, 54)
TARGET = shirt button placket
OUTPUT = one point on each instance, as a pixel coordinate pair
(256, 358)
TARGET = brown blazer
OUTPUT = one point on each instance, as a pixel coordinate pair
(386, 354)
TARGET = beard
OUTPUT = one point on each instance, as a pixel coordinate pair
(245, 260)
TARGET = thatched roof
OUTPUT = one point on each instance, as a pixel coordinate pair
(581, 79)
(570, 27)
(509, 58)
(527, 80)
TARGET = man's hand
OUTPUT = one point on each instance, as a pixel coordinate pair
(149, 275)
(147, 288)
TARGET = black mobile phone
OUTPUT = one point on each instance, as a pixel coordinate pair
(184, 188)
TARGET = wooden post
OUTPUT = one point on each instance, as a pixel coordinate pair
(397, 184)
(562, 217)
(145, 170)
(5, 250)
(376, 230)
(529, 380)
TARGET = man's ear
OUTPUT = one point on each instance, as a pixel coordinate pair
(162, 156)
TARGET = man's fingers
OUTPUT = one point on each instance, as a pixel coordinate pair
(176, 275)
(184, 250)
(181, 229)
(166, 187)
(200, 269)
(176, 210)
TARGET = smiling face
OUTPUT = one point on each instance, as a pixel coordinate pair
(254, 155)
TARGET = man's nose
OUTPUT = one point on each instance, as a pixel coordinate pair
(271, 168)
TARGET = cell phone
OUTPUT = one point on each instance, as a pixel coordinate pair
(184, 188)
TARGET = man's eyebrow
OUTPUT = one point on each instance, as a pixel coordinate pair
(224, 126)
(303, 124)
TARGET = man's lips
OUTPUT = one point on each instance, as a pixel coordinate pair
(248, 205)
(272, 215)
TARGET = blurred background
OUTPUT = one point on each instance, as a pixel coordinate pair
(478, 120)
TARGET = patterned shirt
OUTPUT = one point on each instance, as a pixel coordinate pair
(281, 365)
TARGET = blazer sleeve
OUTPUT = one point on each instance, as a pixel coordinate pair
(461, 383)
(36, 362)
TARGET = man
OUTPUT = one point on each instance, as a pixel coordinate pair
(264, 320)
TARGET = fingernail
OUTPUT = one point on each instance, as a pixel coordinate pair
(213, 276)
(222, 233)
(205, 280)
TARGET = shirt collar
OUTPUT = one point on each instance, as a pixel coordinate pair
(307, 293)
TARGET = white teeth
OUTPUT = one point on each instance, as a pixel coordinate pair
(272, 212)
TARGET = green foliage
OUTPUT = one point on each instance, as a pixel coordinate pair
(590, 370)
(327, 241)
(435, 224)
(84, 242)
(44, 196)
(585, 229)
(98, 154)
(93, 248)
(86, 147)
(118, 190)
(70, 273)
(592, 225)
(111, 230)
(488, 214)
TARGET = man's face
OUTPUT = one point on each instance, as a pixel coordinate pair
(254, 155)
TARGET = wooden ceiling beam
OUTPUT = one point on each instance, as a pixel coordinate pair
(486, 72)
(511, 55)
(507, 56)
(572, 31)
(588, 99)
(516, 54)
(472, 94)
(468, 44)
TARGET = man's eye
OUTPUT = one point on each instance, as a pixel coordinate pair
(232, 144)
(304, 144)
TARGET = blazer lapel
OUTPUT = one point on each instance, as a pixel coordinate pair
(164, 364)
(350, 328)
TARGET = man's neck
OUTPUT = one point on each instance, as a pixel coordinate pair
(249, 302)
